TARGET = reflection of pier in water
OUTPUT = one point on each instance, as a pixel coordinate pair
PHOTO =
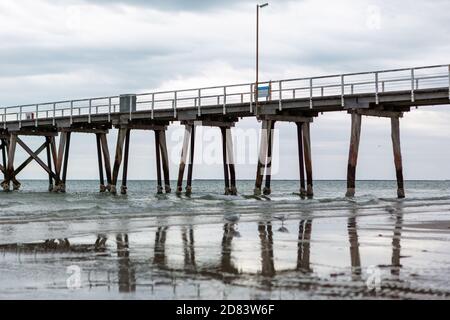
(225, 269)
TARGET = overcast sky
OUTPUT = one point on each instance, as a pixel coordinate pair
(53, 50)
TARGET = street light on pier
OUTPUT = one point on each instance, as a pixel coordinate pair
(258, 6)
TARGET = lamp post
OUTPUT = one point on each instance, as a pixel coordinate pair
(258, 6)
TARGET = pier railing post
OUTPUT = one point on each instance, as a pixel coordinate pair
(353, 154)
(395, 134)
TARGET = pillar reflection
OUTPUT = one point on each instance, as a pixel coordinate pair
(126, 273)
(266, 239)
(187, 235)
(226, 263)
(395, 260)
(354, 246)
(303, 246)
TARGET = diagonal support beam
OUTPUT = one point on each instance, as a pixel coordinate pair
(37, 159)
(30, 159)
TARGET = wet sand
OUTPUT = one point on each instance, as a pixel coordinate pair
(210, 246)
(238, 257)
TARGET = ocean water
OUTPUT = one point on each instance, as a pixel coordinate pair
(87, 245)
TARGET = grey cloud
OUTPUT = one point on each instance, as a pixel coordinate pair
(179, 5)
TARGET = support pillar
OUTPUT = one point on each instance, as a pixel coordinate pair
(261, 158)
(49, 163)
(54, 156)
(66, 162)
(184, 152)
(123, 188)
(308, 159)
(118, 159)
(3, 147)
(230, 152)
(395, 134)
(10, 165)
(58, 158)
(165, 160)
(100, 163)
(225, 160)
(267, 191)
(191, 162)
(107, 159)
(158, 162)
(301, 159)
(353, 154)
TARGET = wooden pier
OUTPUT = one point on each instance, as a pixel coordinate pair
(384, 93)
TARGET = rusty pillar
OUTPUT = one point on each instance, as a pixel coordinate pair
(184, 152)
(261, 158)
(308, 159)
(123, 188)
(395, 134)
(3, 147)
(66, 162)
(49, 163)
(230, 153)
(191, 161)
(118, 158)
(107, 159)
(225, 160)
(158, 163)
(301, 159)
(267, 190)
(100, 163)
(353, 154)
(165, 160)
(10, 165)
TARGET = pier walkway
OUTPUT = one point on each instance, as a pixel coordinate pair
(384, 93)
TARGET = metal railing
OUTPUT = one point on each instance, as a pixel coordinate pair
(337, 85)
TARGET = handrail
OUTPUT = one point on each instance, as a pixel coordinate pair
(198, 97)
